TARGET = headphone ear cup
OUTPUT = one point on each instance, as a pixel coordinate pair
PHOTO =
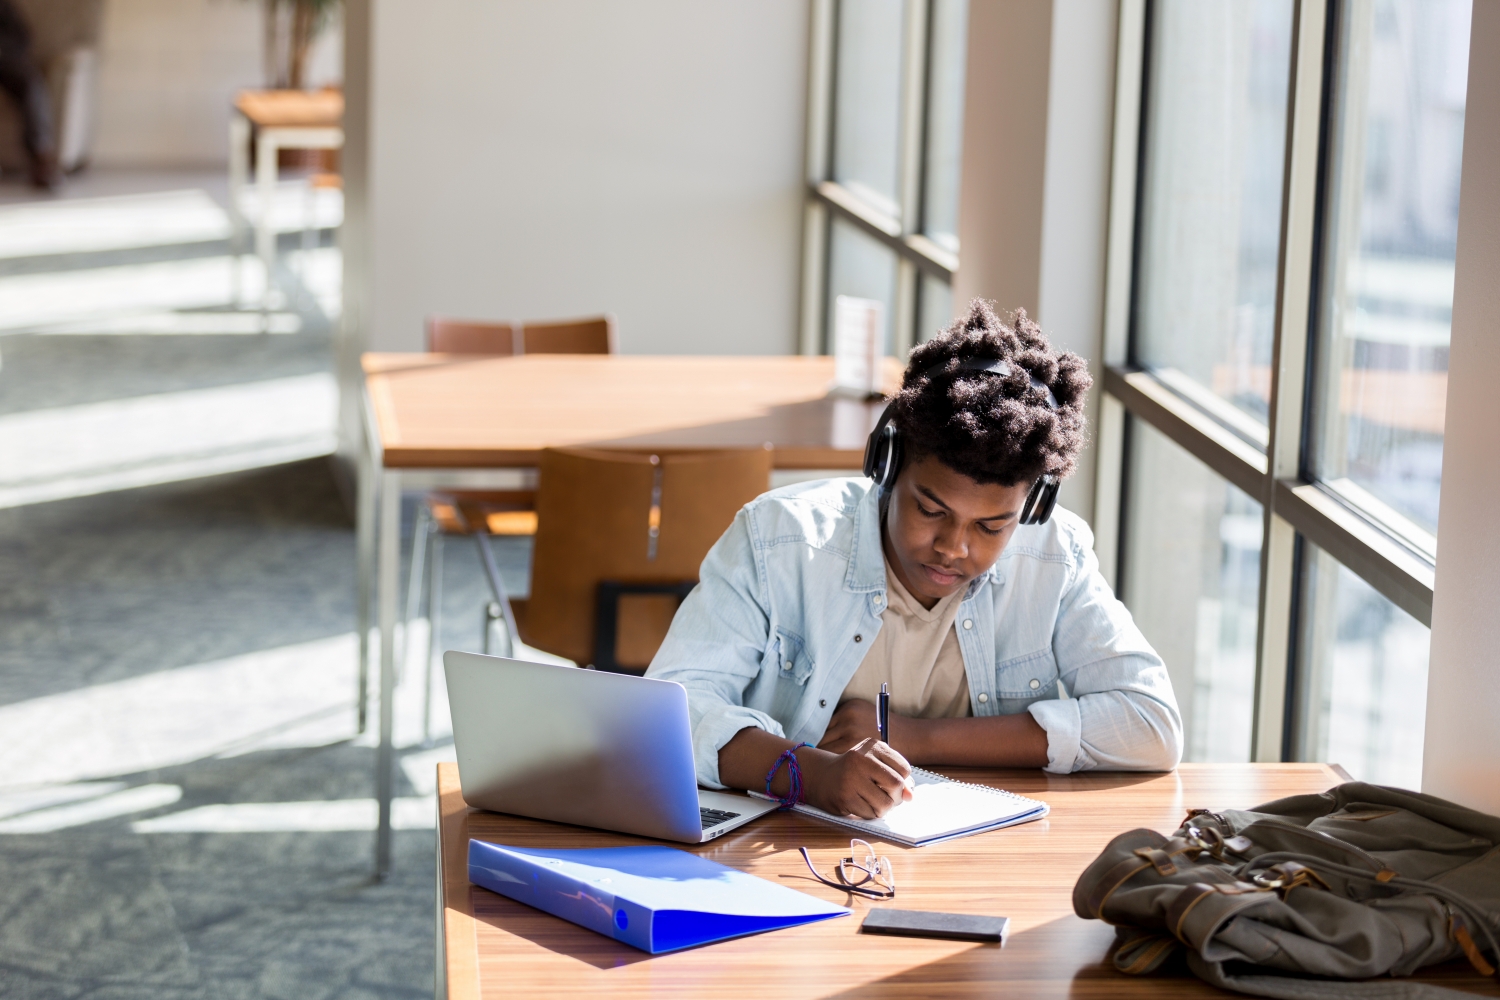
(1028, 509)
(890, 440)
(1040, 500)
(883, 452)
(1047, 501)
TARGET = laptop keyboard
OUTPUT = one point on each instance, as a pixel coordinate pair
(713, 817)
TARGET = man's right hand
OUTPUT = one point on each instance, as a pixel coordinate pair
(867, 780)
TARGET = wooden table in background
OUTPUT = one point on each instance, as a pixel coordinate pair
(490, 946)
(279, 119)
(436, 421)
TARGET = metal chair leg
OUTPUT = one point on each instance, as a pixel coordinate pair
(497, 587)
(492, 614)
(420, 538)
(434, 625)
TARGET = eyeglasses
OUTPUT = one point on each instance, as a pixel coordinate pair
(862, 872)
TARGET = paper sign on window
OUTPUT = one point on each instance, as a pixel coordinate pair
(858, 345)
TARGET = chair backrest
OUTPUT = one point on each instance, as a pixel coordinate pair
(462, 336)
(576, 336)
(594, 523)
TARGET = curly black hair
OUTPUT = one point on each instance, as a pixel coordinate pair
(994, 428)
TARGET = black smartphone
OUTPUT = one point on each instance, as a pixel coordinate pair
(920, 923)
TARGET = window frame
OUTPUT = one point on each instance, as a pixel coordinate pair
(827, 200)
(1295, 505)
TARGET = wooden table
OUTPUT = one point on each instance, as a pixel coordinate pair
(437, 421)
(280, 119)
(490, 946)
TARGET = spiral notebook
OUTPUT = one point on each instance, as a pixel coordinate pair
(941, 809)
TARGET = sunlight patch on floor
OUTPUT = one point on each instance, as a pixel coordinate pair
(32, 301)
(164, 218)
(177, 324)
(92, 810)
(125, 443)
(407, 813)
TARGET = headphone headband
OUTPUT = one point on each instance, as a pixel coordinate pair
(997, 367)
(884, 451)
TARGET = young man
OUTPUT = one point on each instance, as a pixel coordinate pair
(1001, 644)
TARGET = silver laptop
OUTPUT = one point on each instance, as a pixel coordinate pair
(581, 746)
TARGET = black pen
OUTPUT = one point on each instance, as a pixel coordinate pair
(883, 714)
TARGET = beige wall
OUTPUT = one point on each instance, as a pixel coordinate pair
(530, 159)
(168, 70)
(1033, 214)
(1461, 756)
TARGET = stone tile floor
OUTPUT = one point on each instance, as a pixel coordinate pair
(175, 660)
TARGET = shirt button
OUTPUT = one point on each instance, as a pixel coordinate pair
(983, 697)
(968, 623)
(1035, 684)
(859, 638)
(822, 702)
(879, 599)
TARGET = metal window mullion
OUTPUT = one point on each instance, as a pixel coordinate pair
(1402, 576)
(814, 276)
(913, 114)
(1119, 279)
(904, 326)
(1237, 461)
(913, 145)
(822, 36)
(817, 156)
(1278, 563)
(886, 229)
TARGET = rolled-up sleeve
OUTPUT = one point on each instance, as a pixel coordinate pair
(715, 646)
(1121, 713)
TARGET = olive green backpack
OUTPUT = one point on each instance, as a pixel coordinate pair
(1298, 896)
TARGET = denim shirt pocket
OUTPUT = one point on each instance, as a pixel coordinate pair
(1028, 677)
(792, 660)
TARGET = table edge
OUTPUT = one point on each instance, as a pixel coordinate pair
(460, 974)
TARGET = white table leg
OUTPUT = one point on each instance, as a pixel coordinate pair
(389, 565)
(365, 517)
(239, 165)
(265, 182)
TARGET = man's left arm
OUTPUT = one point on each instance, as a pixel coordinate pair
(1121, 714)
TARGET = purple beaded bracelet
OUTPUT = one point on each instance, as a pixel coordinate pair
(794, 772)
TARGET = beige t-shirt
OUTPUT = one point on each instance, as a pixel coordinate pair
(917, 654)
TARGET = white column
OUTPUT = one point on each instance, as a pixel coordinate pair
(1004, 162)
(1034, 196)
(1461, 756)
(1075, 206)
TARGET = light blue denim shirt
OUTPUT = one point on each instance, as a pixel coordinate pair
(790, 599)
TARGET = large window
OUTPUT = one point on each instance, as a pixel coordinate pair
(1391, 227)
(885, 124)
(1200, 616)
(1281, 356)
(1211, 200)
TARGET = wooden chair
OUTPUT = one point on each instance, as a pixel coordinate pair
(480, 515)
(461, 336)
(620, 538)
(577, 336)
(595, 335)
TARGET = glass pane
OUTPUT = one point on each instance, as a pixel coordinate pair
(1392, 225)
(1192, 581)
(1362, 696)
(867, 101)
(859, 266)
(934, 307)
(945, 121)
(1216, 113)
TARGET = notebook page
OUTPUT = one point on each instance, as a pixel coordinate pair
(939, 807)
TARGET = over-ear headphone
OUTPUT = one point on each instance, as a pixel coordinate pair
(884, 452)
